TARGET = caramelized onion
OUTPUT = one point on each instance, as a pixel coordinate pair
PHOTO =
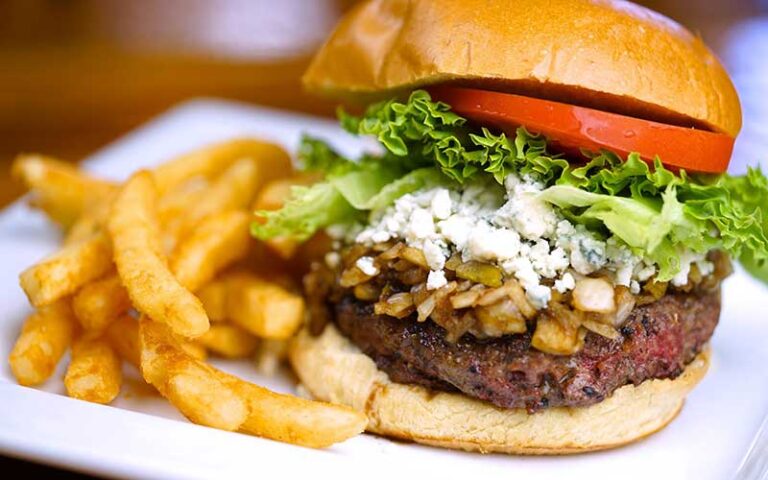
(399, 305)
(594, 295)
(501, 318)
(465, 299)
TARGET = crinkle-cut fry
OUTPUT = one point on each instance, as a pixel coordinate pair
(214, 298)
(229, 341)
(44, 338)
(142, 266)
(232, 190)
(290, 419)
(192, 386)
(270, 354)
(217, 242)
(100, 302)
(210, 161)
(123, 335)
(95, 371)
(263, 308)
(64, 272)
(59, 189)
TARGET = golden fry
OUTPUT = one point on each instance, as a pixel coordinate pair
(216, 243)
(172, 208)
(59, 189)
(214, 298)
(94, 373)
(194, 349)
(123, 335)
(99, 303)
(89, 223)
(229, 341)
(272, 197)
(232, 190)
(44, 338)
(286, 418)
(189, 384)
(211, 397)
(141, 264)
(263, 308)
(212, 160)
(64, 272)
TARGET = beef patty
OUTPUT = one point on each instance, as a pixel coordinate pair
(657, 341)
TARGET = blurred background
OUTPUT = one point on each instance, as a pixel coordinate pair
(76, 74)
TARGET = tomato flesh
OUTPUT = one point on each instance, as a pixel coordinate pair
(572, 128)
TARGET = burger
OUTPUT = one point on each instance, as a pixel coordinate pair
(531, 262)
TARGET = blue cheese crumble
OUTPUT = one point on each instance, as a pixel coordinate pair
(513, 229)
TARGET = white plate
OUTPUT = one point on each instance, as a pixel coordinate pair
(142, 436)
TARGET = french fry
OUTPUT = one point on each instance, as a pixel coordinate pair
(213, 295)
(263, 308)
(147, 245)
(212, 160)
(201, 392)
(44, 338)
(173, 206)
(232, 190)
(190, 385)
(229, 341)
(64, 272)
(141, 264)
(270, 354)
(123, 335)
(89, 223)
(94, 373)
(59, 189)
(272, 197)
(99, 303)
(216, 242)
(194, 349)
(300, 421)
(274, 194)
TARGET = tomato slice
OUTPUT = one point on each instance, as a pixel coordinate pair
(572, 128)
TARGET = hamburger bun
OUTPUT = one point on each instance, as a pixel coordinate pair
(610, 55)
(335, 370)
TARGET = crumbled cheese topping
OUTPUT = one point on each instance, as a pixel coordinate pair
(366, 265)
(436, 279)
(513, 228)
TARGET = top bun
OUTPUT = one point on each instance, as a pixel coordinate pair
(606, 54)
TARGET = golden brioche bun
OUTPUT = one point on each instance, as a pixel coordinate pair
(335, 370)
(606, 54)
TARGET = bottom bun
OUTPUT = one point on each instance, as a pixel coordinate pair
(335, 370)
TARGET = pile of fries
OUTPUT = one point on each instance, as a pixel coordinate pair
(161, 271)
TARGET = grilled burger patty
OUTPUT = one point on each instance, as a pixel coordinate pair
(657, 341)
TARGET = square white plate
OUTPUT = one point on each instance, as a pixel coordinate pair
(142, 436)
